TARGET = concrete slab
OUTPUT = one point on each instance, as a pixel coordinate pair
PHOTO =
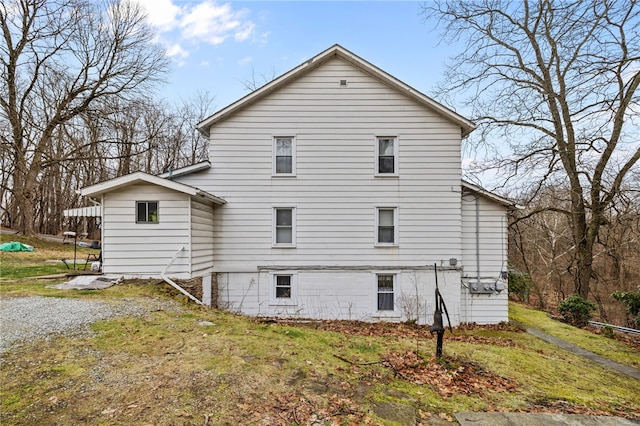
(88, 282)
(538, 419)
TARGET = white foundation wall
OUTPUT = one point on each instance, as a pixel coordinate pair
(343, 295)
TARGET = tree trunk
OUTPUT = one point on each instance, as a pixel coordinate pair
(584, 254)
(24, 197)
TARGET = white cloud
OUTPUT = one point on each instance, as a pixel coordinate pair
(214, 23)
(246, 60)
(176, 50)
(162, 14)
(203, 22)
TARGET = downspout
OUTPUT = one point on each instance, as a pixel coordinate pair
(173, 284)
(478, 240)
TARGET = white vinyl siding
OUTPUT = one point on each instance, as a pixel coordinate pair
(486, 229)
(137, 249)
(202, 237)
(134, 249)
(334, 190)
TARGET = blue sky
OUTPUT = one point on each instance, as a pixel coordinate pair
(216, 45)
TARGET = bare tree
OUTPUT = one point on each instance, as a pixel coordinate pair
(558, 82)
(255, 81)
(58, 58)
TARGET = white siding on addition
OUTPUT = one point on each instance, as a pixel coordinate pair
(484, 226)
(144, 249)
(201, 237)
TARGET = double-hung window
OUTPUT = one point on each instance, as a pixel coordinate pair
(284, 156)
(146, 212)
(386, 156)
(385, 289)
(284, 227)
(386, 226)
(283, 286)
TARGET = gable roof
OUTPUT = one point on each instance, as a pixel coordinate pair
(490, 195)
(140, 177)
(342, 53)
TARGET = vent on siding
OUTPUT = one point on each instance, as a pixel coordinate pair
(343, 82)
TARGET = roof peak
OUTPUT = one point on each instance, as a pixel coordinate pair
(335, 50)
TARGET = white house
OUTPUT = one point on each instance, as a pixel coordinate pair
(333, 192)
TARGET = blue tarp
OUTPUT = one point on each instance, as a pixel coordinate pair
(15, 246)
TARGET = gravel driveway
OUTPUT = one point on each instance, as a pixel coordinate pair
(24, 319)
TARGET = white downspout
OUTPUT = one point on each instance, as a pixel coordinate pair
(173, 284)
(478, 239)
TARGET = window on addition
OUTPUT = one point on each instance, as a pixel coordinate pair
(146, 212)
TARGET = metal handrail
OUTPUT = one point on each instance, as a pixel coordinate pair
(615, 327)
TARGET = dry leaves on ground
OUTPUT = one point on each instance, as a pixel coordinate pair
(458, 377)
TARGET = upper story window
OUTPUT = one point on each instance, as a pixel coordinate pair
(284, 156)
(386, 226)
(284, 227)
(387, 156)
(146, 212)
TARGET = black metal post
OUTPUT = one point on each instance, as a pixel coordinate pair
(439, 344)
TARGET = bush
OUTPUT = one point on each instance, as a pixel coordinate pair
(520, 285)
(632, 300)
(576, 311)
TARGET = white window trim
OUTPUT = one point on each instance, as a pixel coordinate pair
(396, 163)
(395, 226)
(275, 244)
(396, 288)
(293, 157)
(292, 301)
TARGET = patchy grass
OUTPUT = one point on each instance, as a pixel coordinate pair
(195, 365)
(610, 348)
(45, 260)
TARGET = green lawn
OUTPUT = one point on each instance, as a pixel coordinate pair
(612, 349)
(45, 260)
